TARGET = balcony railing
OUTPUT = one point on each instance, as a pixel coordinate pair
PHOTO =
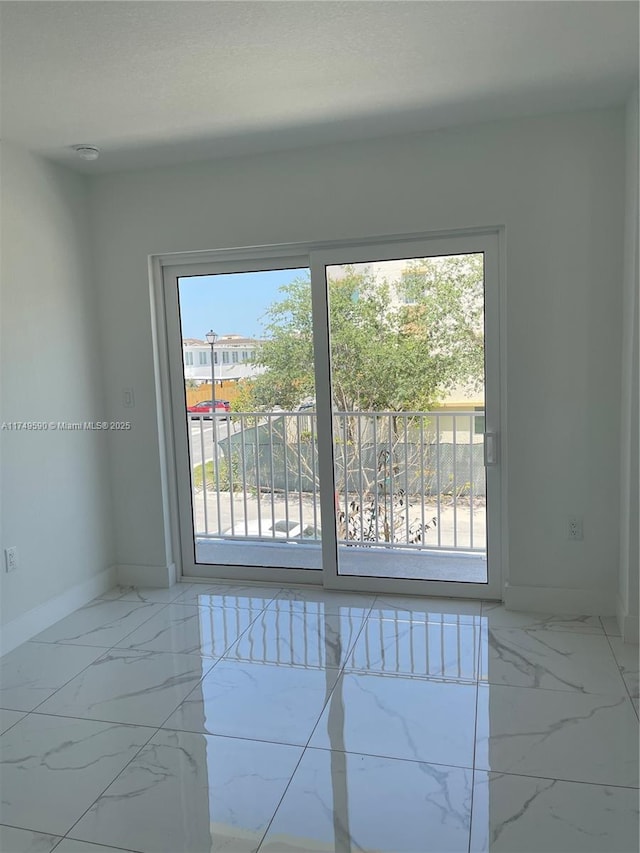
(404, 480)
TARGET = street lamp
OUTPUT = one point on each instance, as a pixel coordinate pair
(212, 337)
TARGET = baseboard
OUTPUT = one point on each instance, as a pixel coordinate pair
(34, 621)
(543, 599)
(629, 625)
(159, 576)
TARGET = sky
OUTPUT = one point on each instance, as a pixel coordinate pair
(235, 303)
(230, 304)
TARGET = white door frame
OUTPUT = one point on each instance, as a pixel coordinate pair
(220, 263)
(164, 273)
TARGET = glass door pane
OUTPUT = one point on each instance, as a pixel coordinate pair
(407, 351)
(249, 408)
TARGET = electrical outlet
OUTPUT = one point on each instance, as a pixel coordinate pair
(11, 559)
(128, 400)
(576, 533)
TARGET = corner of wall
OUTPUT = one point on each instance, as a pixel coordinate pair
(29, 624)
(147, 576)
(628, 584)
(629, 625)
(45, 205)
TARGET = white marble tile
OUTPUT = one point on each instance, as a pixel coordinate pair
(53, 768)
(33, 671)
(68, 845)
(25, 841)
(558, 734)
(186, 793)
(289, 636)
(434, 650)
(610, 625)
(345, 802)
(146, 594)
(419, 608)
(266, 702)
(518, 814)
(8, 719)
(126, 686)
(100, 623)
(248, 597)
(500, 617)
(400, 717)
(185, 629)
(626, 655)
(554, 660)
(317, 600)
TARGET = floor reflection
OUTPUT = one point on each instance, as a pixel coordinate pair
(255, 719)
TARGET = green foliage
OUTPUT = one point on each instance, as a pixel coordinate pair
(394, 346)
(244, 400)
(224, 481)
(287, 352)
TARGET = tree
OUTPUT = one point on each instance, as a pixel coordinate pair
(395, 346)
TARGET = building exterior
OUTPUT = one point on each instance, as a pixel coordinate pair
(234, 359)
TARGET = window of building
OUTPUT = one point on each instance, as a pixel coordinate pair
(203, 358)
(188, 358)
(234, 357)
(225, 357)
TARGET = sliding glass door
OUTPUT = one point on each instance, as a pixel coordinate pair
(244, 394)
(336, 415)
(410, 339)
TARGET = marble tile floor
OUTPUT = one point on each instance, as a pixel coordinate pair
(238, 718)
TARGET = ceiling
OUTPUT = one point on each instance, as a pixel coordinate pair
(154, 83)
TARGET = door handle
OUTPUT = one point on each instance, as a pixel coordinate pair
(490, 448)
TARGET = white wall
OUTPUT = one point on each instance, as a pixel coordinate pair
(630, 434)
(555, 182)
(56, 502)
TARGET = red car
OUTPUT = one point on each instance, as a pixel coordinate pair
(204, 407)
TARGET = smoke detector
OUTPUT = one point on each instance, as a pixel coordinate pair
(87, 152)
